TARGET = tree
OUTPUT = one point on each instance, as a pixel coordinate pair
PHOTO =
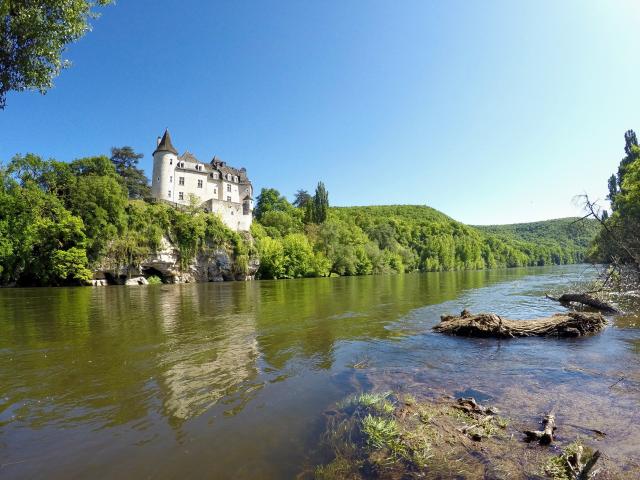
(41, 243)
(270, 200)
(630, 141)
(632, 151)
(271, 258)
(97, 196)
(125, 160)
(33, 35)
(619, 240)
(302, 198)
(320, 204)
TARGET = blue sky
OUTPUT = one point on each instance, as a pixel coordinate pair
(491, 111)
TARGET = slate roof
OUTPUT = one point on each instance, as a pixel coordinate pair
(216, 164)
(223, 168)
(165, 144)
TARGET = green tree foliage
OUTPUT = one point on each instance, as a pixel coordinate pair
(125, 160)
(97, 196)
(270, 200)
(632, 153)
(319, 207)
(619, 240)
(41, 243)
(302, 198)
(403, 238)
(88, 188)
(58, 219)
(33, 35)
(271, 258)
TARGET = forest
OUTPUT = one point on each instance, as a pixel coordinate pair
(404, 238)
(58, 220)
(618, 241)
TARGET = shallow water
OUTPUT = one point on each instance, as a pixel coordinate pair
(230, 380)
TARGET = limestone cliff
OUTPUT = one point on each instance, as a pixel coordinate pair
(214, 265)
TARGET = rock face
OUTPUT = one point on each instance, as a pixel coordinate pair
(214, 266)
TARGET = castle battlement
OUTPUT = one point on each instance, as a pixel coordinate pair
(215, 186)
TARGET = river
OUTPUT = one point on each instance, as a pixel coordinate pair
(229, 380)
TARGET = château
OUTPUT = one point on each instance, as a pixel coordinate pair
(215, 186)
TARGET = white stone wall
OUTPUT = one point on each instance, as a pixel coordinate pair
(195, 183)
(161, 186)
(176, 181)
(231, 214)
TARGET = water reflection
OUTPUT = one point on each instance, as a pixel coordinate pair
(210, 348)
(238, 368)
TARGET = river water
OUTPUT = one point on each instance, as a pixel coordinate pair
(230, 380)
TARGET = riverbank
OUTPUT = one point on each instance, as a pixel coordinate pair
(73, 223)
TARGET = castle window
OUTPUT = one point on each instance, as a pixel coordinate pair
(180, 196)
(228, 198)
(171, 161)
(158, 178)
(180, 180)
(228, 187)
(170, 179)
(245, 208)
(235, 179)
(199, 183)
(169, 194)
(215, 191)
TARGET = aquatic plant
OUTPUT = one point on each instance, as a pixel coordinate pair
(571, 464)
(380, 432)
(154, 280)
(375, 402)
(386, 435)
(339, 468)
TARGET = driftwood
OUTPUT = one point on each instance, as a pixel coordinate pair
(585, 299)
(583, 471)
(571, 324)
(481, 415)
(469, 405)
(545, 436)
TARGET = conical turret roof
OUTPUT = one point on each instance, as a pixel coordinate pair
(165, 144)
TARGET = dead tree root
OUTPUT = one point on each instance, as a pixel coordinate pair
(571, 324)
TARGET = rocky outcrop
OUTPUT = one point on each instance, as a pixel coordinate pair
(215, 265)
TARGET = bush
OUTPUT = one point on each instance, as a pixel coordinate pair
(154, 280)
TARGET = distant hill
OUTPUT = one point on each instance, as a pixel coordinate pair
(439, 242)
(569, 232)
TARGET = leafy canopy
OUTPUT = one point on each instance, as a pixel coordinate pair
(125, 161)
(33, 36)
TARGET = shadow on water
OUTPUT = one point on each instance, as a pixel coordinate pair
(232, 378)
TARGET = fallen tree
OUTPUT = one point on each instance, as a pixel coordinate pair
(571, 324)
(585, 299)
(544, 436)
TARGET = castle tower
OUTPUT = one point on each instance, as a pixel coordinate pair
(165, 158)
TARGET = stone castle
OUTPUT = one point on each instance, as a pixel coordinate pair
(215, 186)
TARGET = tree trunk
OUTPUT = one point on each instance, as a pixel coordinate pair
(585, 299)
(571, 324)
